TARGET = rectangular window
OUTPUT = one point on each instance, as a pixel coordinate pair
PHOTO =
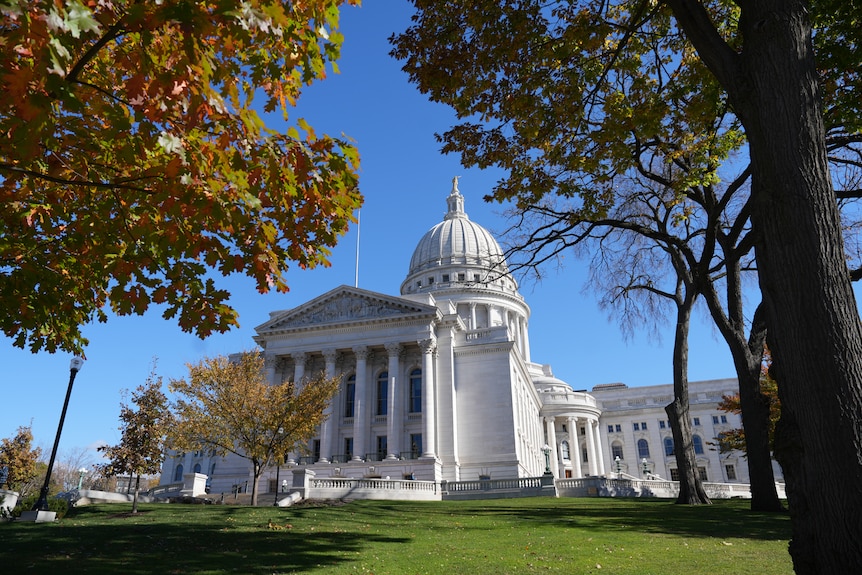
(315, 450)
(696, 421)
(382, 393)
(674, 474)
(416, 391)
(349, 399)
(661, 424)
(610, 429)
(702, 472)
(731, 472)
(476, 278)
(618, 428)
(584, 431)
(715, 420)
(430, 281)
(636, 426)
(445, 277)
(415, 445)
(461, 277)
(348, 448)
(643, 425)
(381, 448)
(724, 419)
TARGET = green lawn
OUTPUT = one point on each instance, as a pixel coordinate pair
(536, 535)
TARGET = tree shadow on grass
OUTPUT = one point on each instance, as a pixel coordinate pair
(151, 545)
(723, 519)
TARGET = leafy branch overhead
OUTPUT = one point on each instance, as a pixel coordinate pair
(134, 163)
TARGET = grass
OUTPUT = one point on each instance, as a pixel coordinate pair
(536, 535)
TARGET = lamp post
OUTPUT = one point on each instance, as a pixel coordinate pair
(42, 502)
(645, 466)
(547, 450)
(81, 472)
(619, 465)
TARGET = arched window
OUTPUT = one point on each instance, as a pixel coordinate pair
(668, 446)
(178, 473)
(643, 449)
(382, 393)
(698, 444)
(416, 391)
(350, 396)
(197, 468)
(564, 449)
(617, 450)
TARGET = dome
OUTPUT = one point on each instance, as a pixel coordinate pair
(457, 250)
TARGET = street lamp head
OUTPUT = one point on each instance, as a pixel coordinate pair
(76, 364)
(546, 448)
(82, 470)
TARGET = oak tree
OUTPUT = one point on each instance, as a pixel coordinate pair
(144, 429)
(227, 406)
(136, 166)
(536, 85)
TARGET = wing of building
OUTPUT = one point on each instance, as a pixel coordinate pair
(439, 384)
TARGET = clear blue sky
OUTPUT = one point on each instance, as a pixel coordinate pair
(405, 181)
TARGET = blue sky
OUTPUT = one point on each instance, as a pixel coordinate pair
(405, 181)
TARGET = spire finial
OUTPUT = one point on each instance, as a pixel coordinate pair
(455, 202)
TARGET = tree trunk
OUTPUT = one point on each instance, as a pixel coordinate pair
(817, 339)
(815, 330)
(137, 490)
(691, 490)
(257, 469)
(748, 358)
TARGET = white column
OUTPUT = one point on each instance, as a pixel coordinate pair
(298, 376)
(552, 443)
(360, 410)
(473, 315)
(575, 447)
(429, 414)
(394, 413)
(299, 369)
(269, 364)
(327, 429)
(600, 458)
(591, 449)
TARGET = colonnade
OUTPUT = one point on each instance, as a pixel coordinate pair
(595, 458)
(363, 417)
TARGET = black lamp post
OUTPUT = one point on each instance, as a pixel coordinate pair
(42, 502)
(547, 450)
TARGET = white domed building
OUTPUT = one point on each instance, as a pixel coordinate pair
(439, 384)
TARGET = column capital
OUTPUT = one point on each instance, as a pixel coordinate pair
(361, 351)
(270, 360)
(394, 348)
(428, 345)
(330, 354)
(299, 357)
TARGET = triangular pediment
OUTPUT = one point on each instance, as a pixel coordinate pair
(346, 305)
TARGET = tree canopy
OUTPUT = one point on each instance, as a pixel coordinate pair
(228, 406)
(135, 165)
(19, 457)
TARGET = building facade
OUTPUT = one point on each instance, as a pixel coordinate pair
(438, 384)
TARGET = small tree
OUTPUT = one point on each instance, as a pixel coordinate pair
(19, 457)
(142, 446)
(228, 406)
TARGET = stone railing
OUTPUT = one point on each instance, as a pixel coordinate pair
(365, 488)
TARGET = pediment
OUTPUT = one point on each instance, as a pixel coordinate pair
(345, 305)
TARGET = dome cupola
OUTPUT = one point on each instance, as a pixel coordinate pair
(457, 253)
